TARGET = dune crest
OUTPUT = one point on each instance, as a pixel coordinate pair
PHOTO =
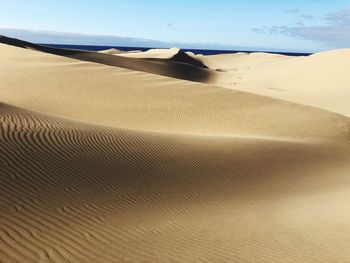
(111, 51)
(172, 54)
(154, 53)
(181, 67)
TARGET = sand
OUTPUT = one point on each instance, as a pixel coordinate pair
(104, 161)
(320, 80)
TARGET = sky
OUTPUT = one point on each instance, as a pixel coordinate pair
(288, 25)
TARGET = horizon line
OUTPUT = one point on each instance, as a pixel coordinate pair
(71, 38)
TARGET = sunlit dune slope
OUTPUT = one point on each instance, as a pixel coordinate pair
(320, 80)
(81, 192)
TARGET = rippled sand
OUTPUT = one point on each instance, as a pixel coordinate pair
(155, 157)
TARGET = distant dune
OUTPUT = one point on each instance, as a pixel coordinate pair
(320, 80)
(112, 51)
(172, 54)
(157, 157)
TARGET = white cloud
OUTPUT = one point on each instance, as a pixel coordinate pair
(307, 16)
(295, 10)
(335, 32)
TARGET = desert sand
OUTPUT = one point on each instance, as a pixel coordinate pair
(320, 80)
(167, 156)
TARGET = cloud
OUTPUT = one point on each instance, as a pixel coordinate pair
(52, 37)
(340, 17)
(307, 16)
(295, 10)
(335, 32)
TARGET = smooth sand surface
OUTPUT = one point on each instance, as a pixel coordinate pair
(103, 163)
(320, 80)
(153, 53)
(111, 51)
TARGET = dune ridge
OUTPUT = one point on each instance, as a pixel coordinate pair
(172, 54)
(101, 163)
(181, 66)
(111, 51)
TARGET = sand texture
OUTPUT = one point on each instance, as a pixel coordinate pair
(167, 156)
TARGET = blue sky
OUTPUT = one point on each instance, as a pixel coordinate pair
(299, 25)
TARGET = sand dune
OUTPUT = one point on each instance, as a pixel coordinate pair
(179, 67)
(111, 51)
(101, 163)
(320, 80)
(154, 53)
(172, 54)
(114, 51)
